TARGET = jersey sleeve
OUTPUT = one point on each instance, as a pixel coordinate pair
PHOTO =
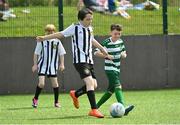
(91, 32)
(69, 31)
(103, 43)
(38, 48)
(61, 50)
(123, 48)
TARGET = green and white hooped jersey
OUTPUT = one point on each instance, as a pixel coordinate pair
(114, 49)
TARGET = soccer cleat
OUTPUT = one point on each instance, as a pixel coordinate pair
(74, 98)
(57, 105)
(128, 109)
(34, 103)
(96, 113)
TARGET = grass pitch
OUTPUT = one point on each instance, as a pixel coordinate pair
(151, 107)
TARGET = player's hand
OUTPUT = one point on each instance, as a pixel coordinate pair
(40, 38)
(104, 51)
(109, 57)
(61, 68)
(123, 54)
(34, 68)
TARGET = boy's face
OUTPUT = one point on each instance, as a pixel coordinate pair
(87, 20)
(115, 34)
(49, 31)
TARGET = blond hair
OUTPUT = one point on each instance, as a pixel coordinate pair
(50, 27)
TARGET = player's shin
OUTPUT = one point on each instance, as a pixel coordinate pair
(104, 98)
(56, 94)
(80, 91)
(119, 95)
(37, 93)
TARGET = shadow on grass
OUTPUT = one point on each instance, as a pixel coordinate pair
(64, 117)
(28, 108)
(109, 117)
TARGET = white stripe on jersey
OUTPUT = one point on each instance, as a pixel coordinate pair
(82, 38)
(49, 52)
(113, 49)
(114, 43)
(111, 68)
(111, 62)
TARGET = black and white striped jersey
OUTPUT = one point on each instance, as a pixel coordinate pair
(82, 38)
(49, 52)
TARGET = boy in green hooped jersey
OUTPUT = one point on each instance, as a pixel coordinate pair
(116, 50)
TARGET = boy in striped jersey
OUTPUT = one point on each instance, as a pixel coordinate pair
(46, 59)
(82, 42)
(116, 51)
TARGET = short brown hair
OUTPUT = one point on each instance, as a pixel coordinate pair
(82, 13)
(116, 27)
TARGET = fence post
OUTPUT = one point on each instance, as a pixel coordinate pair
(165, 17)
(60, 14)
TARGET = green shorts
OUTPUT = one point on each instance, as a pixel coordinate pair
(114, 79)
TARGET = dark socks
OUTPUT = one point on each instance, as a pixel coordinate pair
(119, 95)
(80, 91)
(92, 100)
(56, 94)
(104, 98)
(38, 91)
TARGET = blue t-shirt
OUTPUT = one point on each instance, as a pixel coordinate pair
(112, 5)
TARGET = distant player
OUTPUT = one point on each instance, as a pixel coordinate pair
(46, 62)
(116, 50)
(82, 42)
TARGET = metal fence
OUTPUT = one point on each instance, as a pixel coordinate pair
(33, 15)
(174, 17)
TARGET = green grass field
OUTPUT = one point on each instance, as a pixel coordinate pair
(142, 22)
(151, 107)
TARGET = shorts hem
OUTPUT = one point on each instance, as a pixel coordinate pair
(41, 74)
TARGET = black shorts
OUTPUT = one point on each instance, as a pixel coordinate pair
(85, 70)
(40, 74)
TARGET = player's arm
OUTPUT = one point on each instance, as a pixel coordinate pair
(35, 61)
(57, 35)
(37, 52)
(123, 54)
(101, 55)
(61, 53)
(100, 47)
(61, 64)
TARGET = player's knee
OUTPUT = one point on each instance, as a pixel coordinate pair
(95, 85)
(90, 86)
(110, 92)
(55, 85)
(119, 87)
(41, 84)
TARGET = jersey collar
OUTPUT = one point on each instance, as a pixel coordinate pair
(82, 25)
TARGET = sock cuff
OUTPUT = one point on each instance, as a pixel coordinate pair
(55, 87)
(118, 87)
(39, 87)
(110, 92)
(90, 91)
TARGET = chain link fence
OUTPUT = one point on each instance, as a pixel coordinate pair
(174, 17)
(31, 16)
(30, 20)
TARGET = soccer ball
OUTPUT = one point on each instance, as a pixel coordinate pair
(117, 110)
